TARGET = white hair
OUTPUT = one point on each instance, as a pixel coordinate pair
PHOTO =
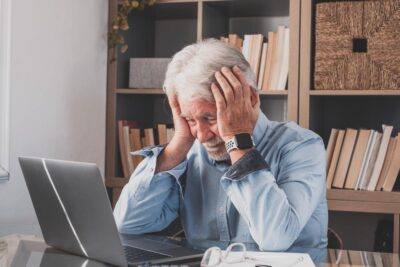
(191, 71)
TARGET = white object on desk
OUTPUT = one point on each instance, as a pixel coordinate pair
(218, 258)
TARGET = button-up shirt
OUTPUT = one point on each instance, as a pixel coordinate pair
(274, 196)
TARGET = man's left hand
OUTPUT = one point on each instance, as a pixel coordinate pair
(237, 103)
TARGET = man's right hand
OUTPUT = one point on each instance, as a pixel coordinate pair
(177, 149)
(182, 133)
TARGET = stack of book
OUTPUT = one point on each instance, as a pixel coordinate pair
(359, 258)
(268, 59)
(363, 159)
(131, 138)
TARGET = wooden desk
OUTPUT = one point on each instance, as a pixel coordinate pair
(27, 250)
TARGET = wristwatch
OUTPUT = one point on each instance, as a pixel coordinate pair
(239, 141)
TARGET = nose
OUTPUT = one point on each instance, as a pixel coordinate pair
(203, 132)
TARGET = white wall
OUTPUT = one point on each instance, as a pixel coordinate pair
(58, 92)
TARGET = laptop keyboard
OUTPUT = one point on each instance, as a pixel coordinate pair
(140, 255)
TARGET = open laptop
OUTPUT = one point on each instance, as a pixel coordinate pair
(75, 215)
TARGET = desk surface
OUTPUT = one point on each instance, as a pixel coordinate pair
(28, 250)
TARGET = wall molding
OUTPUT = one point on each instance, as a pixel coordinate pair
(5, 77)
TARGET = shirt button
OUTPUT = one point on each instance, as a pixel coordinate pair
(151, 169)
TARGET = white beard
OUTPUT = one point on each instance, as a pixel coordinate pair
(216, 149)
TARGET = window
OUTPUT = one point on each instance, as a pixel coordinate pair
(5, 47)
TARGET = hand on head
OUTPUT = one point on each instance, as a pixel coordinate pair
(182, 130)
(237, 103)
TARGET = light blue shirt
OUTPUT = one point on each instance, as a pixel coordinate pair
(273, 196)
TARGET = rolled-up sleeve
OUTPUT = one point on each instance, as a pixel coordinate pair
(149, 202)
(276, 209)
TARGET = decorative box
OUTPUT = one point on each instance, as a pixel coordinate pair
(357, 45)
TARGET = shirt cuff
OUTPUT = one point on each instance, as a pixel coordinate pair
(149, 151)
(155, 151)
(252, 161)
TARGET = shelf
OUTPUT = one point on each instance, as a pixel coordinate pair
(168, 1)
(363, 201)
(155, 91)
(354, 92)
(364, 196)
(175, 1)
(128, 91)
(279, 93)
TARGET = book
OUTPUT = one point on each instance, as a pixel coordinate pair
(332, 257)
(277, 58)
(127, 143)
(162, 134)
(387, 131)
(335, 158)
(136, 144)
(239, 43)
(255, 53)
(367, 258)
(232, 38)
(246, 46)
(262, 65)
(284, 63)
(122, 149)
(342, 257)
(394, 168)
(149, 137)
(365, 160)
(377, 259)
(268, 61)
(371, 161)
(357, 159)
(355, 258)
(386, 164)
(124, 145)
(330, 147)
(344, 158)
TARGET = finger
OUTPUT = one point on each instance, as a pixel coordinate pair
(245, 85)
(219, 98)
(226, 88)
(173, 102)
(233, 81)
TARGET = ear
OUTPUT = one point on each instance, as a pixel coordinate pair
(255, 97)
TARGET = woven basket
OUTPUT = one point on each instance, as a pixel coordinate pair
(357, 45)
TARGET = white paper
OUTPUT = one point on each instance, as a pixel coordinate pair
(274, 259)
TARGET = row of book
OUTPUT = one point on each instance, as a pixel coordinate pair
(360, 258)
(132, 138)
(363, 159)
(268, 57)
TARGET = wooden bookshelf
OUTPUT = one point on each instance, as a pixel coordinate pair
(354, 92)
(368, 202)
(322, 110)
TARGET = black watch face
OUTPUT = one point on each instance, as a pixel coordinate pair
(244, 140)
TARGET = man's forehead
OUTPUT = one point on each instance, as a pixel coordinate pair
(198, 107)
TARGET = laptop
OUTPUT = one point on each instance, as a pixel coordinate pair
(75, 215)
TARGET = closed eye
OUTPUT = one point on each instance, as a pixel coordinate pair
(210, 120)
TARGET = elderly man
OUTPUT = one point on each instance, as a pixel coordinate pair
(228, 172)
